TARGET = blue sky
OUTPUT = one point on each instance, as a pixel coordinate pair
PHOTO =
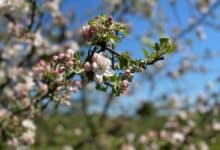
(192, 83)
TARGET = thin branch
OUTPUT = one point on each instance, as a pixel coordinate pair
(105, 109)
(33, 10)
(155, 60)
(198, 22)
(10, 18)
(35, 101)
(39, 99)
(112, 51)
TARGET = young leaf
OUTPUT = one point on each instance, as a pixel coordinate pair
(146, 54)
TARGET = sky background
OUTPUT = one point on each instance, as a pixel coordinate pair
(192, 83)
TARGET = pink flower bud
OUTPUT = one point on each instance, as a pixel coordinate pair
(25, 102)
(77, 83)
(110, 19)
(94, 66)
(43, 87)
(141, 69)
(88, 32)
(67, 97)
(3, 112)
(42, 62)
(47, 67)
(59, 88)
(125, 84)
(70, 89)
(95, 57)
(87, 66)
(61, 56)
(55, 58)
(125, 92)
(69, 63)
(70, 52)
(127, 72)
(73, 89)
(61, 69)
(55, 72)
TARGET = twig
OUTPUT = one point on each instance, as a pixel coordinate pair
(155, 60)
(105, 109)
(112, 51)
(33, 10)
(10, 18)
(198, 22)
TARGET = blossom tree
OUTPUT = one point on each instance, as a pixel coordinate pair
(40, 66)
(44, 63)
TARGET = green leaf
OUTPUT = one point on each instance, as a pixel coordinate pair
(50, 75)
(166, 45)
(171, 48)
(114, 38)
(101, 87)
(147, 41)
(146, 54)
(124, 60)
(91, 22)
(164, 41)
(124, 31)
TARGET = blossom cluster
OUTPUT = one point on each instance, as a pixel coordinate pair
(103, 30)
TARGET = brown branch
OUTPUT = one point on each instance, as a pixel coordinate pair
(33, 11)
(10, 18)
(155, 60)
(105, 109)
(90, 124)
(112, 51)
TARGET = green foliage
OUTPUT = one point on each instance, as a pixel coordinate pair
(147, 109)
(111, 136)
(103, 30)
(62, 129)
(103, 33)
(125, 61)
(101, 87)
(166, 45)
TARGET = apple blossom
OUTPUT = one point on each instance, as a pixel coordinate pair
(87, 66)
(102, 67)
(28, 124)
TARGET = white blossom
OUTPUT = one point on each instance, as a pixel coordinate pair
(183, 115)
(201, 33)
(7, 5)
(54, 7)
(3, 113)
(27, 123)
(216, 126)
(203, 146)
(127, 147)
(130, 137)
(67, 147)
(39, 40)
(28, 136)
(178, 137)
(143, 139)
(101, 67)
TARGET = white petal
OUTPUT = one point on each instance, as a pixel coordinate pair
(98, 78)
(109, 73)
